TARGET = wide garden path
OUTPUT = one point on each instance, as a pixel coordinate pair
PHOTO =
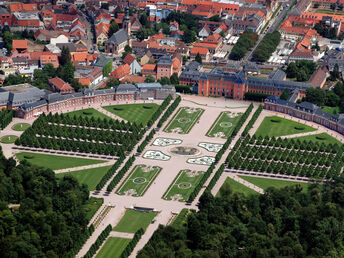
(152, 198)
(109, 163)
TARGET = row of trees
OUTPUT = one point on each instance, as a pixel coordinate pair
(85, 134)
(246, 41)
(169, 111)
(131, 245)
(246, 156)
(110, 173)
(120, 174)
(75, 146)
(144, 143)
(220, 153)
(105, 123)
(255, 96)
(216, 177)
(51, 220)
(159, 111)
(295, 144)
(101, 238)
(285, 222)
(267, 46)
(6, 116)
(253, 120)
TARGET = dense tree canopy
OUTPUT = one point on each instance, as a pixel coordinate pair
(50, 221)
(246, 41)
(267, 46)
(301, 70)
(280, 223)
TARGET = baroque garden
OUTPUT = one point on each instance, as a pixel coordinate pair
(149, 163)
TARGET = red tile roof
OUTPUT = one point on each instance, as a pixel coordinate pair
(200, 50)
(19, 43)
(129, 59)
(60, 84)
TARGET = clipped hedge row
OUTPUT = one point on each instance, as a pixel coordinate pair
(131, 245)
(120, 174)
(169, 111)
(93, 249)
(110, 173)
(158, 112)
(220, 153)
(83, 240)
(253, 120)
(146, 141)
(216, 177)
(6, 116)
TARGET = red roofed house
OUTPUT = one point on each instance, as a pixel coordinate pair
(20, 7)
(135, 67)
(5, 17)
(121, 72)
(102, 30)
(204, 53)
(58, 85)
(19, 46)
(177, 64)
(301, 55)
(149, 69)
(213, 43)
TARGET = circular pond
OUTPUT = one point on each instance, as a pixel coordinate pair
(139, 180)
(187, 151)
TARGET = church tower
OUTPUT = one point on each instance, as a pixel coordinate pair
(126, 21)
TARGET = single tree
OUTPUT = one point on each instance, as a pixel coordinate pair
(198, 58)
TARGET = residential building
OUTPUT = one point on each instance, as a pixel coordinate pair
(60, 86)
(135, 67)
(164, 67)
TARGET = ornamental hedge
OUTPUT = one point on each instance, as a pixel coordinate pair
(101, 238)
(120, 174)
(131, 245)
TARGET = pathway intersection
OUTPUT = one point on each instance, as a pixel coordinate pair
(115, 205)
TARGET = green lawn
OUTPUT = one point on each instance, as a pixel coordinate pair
(55, 162)
(91, 206)
(278, 126)
(139, 179)
(224, 125)
(184, 120)
(8, 139)
(113, 247)
(265, 183)
(134, 220)
(319, 138)
(90, 177)
(21, 126)
(181, 218)
(89, 112)
(183, 185)
(138, 113)
(331, 110)
(236, 187)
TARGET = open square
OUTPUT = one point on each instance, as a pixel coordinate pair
(184, 120)
(183, 185)
(139, 180)
(133, 220)
(135, 113)
(278, 126)
(224, 124)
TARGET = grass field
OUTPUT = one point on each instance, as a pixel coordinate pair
(224, 125)
(319, 138)
(134, 220)
(184, 120)
(89, 112)
(8, 139)
(138, 113)
(91, 206)
(265, 183)
(183, 185)
(90, 177)
(55, 162)
(278, 126)
(236, 187)
(139, 180)
(113, 247)
(331, 110)
(20, 126)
